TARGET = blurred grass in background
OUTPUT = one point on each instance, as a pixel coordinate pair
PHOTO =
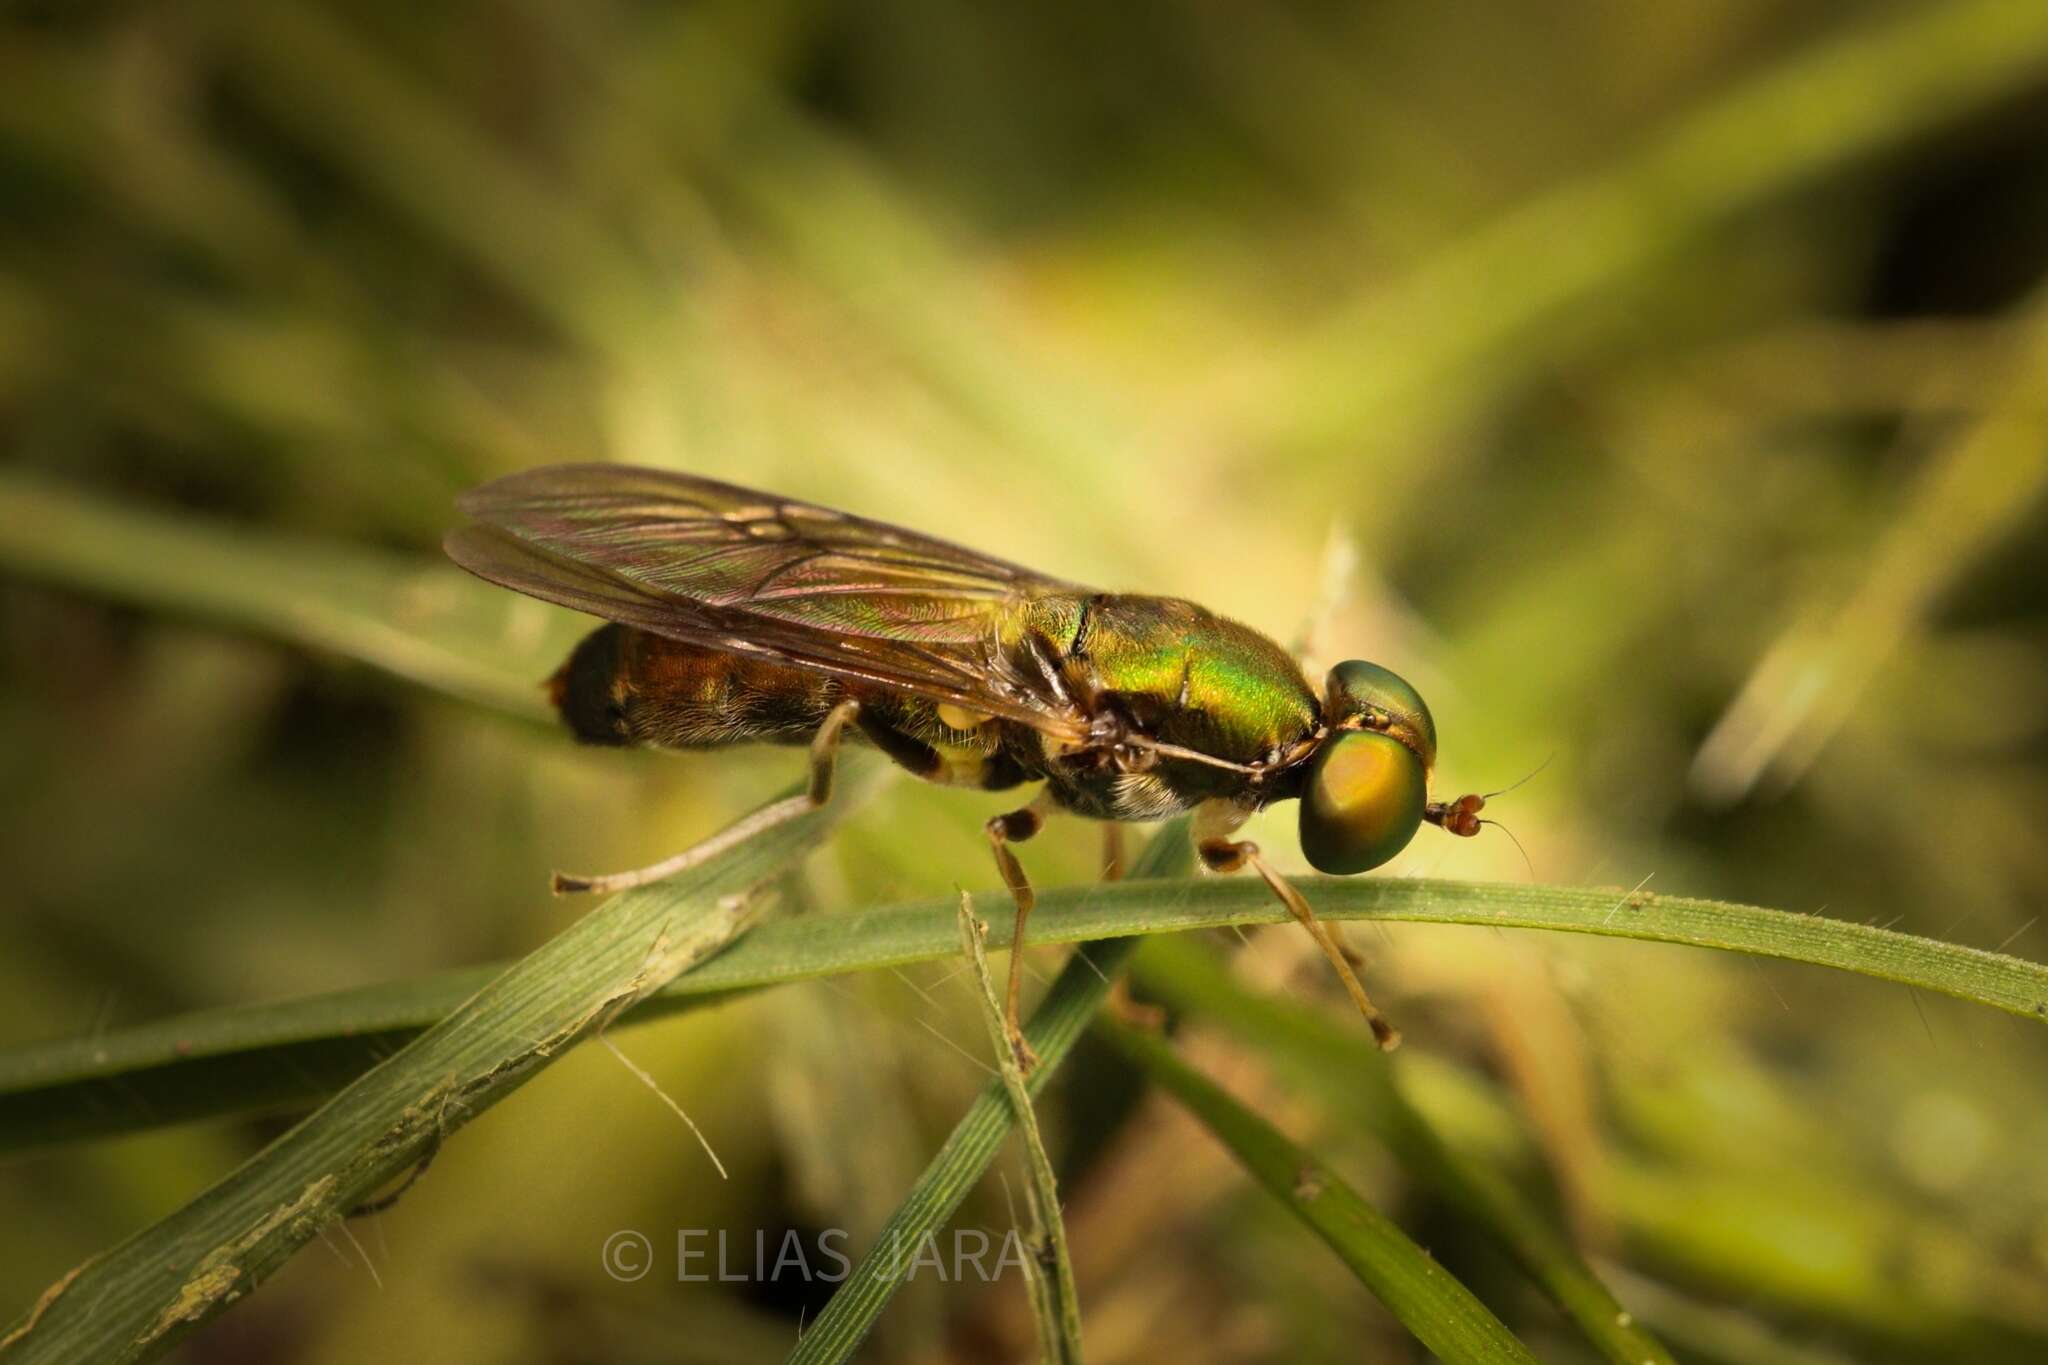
(1681, 371)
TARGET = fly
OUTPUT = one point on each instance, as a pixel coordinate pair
(738, 616)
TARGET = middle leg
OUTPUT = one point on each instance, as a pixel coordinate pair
(994, 771)
(1003, 830)
(1121, 1002)
(1114, 864)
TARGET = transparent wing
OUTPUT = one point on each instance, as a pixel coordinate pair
(746, 572)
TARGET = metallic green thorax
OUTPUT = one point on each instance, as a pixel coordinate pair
(1192, 677)
(1179, 674)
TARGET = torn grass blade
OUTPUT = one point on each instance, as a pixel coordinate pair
(132, 1302)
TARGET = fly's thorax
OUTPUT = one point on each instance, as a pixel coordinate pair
(1188, 677)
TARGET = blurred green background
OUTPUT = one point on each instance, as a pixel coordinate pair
(1678, 375)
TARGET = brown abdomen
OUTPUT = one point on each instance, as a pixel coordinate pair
(625, 686)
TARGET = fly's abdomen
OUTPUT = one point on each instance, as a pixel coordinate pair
(585, 689)
(626, 686)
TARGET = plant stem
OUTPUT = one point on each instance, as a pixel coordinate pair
(1056, 1296)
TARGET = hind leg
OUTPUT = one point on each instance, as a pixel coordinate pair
(824, 756)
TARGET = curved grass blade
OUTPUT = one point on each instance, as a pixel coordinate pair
(132, 1302)
(420, 619)
(248, 1057)
(1076, 994)
(1430, 1302)
(1360, 1082)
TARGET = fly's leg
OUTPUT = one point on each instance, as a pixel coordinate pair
(1121, 1002)
(1004, 830)
(1113, 864)
(824, 754)
(1214, 822)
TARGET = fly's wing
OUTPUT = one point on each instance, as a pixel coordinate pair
(732, 569)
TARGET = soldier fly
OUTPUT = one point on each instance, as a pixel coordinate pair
(738, 616)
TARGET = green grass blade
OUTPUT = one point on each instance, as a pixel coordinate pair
(1428, 1300)
(1362, 1083)
(1074, 998)
(245, 1057)
(132, 1302)
(427, 622)
(827, 944)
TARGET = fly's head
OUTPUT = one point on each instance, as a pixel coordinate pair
(1367, 789)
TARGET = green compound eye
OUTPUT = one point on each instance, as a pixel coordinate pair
(1356, 688)
(1363, 802)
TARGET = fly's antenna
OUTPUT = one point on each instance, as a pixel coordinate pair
(1518, 782)
(1461, 817)
(1513, 840)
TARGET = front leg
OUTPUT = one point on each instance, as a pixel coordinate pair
(1003, 830)
(1215, 821)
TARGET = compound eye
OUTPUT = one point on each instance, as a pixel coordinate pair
(1363, 802)
(1365, 694)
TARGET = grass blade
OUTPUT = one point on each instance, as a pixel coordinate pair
(242, 1057)
(1968, 499)
(1429, 1301)
(1851, 96)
